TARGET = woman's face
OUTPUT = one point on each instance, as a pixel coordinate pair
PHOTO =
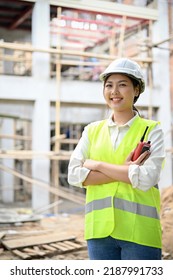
(119, 92)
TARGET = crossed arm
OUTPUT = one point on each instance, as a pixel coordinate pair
(103, 172)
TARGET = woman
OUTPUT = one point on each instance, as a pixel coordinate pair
(122, 196)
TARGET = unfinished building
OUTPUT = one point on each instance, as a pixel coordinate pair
(52, 53)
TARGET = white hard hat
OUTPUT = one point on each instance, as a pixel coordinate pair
(127, 67)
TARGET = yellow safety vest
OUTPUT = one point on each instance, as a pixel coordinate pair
(117, 209)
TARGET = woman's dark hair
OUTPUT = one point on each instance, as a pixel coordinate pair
(135, 84)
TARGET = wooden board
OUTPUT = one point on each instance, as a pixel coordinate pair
(22, 255)
(44, 250)
(36, 240)
(34, 252)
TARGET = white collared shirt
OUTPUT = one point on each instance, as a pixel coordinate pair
(141, 177)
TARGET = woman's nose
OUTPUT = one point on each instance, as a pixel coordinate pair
(115, 90)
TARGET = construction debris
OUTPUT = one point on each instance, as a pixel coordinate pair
(34, 241)
(54, 237)
(11, 216)
(43, 245)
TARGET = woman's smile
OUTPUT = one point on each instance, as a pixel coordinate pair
(116, 99)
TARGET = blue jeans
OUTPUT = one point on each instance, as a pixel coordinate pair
(113, 249)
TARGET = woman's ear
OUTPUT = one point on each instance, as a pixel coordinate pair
(137, 91)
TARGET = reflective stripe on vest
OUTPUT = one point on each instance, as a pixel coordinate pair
(98, 204)
(124, 205)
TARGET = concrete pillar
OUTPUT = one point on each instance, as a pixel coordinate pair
(41, 38)
(41, 142)
(7, 180)
(41, 114)
(161, 80)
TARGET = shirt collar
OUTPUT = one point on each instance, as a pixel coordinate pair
(129, 123)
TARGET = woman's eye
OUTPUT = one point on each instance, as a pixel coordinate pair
(108, 86)
(122, 85)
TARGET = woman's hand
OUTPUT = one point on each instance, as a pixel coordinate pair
(140, 160)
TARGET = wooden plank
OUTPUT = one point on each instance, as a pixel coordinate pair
(69, 247)
(39, 251)
(121, 39)
(26, 155)
(48, 247)
(16, 137)
(36, 248)
(36, 240)
(48, 250)
(74, 245)
(20, 254)
(14, 46)
(59, 246)
(60, 192)
(33, 252)
(29, 252)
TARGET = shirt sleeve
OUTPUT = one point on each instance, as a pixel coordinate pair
(76, 172)
(147, 175)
